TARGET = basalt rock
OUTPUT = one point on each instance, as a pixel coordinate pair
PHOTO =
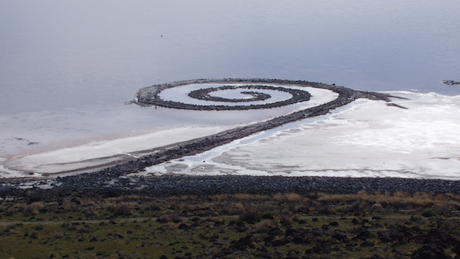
(430, 252)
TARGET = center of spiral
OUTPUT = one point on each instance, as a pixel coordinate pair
(231, 96)
(205, 94)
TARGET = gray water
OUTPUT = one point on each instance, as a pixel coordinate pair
(60, 54)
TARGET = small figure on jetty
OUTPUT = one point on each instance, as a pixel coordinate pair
(451, 82)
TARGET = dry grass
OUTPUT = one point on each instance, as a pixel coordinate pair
(260, 197)
(290, 197)
(293, 197)
(280, 197)
(242, 197)
(420, 199)
(219, 198)
(250, 197)
(131, 198)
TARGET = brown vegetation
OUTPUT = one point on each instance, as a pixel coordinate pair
(240, 225)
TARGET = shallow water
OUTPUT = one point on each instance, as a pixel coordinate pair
(58, 54)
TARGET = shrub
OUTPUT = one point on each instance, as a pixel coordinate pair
(65, 224)
(175, 206)
(415, 218)
(213, 251)
(123, 209)
(39, 227)
(295, 218)
(263, 226)
(428, 213)
(71, 228)
(34, 235)
(285, 220)
(226, 210)
(31, 209)
(449, 225)
(249, 215)
(12, 228)
(206, 213)
(91, 212)
(110, 208)
(440, 209)
(232, 209)
(83, 229)
(58, 234)
(377, 208)
(303, 208)
(168, 226)
(193, 207)
(214, 219)
(156, 206)
(291, 207)
(357, 206)
(325, 210)
(169, 217)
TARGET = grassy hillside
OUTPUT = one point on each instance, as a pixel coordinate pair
(361, 225)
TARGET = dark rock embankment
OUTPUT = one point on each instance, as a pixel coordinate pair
(106, 185)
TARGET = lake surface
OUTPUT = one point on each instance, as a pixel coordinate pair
(73, 54)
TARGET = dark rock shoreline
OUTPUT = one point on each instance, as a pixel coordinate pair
(113, 181)
(98, 185)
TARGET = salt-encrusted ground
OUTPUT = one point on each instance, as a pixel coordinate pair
(364, 138)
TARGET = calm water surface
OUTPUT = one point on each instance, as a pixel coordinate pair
(60, 54)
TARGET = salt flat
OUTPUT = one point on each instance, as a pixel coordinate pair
(364, 139)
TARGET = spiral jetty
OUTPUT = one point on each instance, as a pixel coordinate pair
(112, 180)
